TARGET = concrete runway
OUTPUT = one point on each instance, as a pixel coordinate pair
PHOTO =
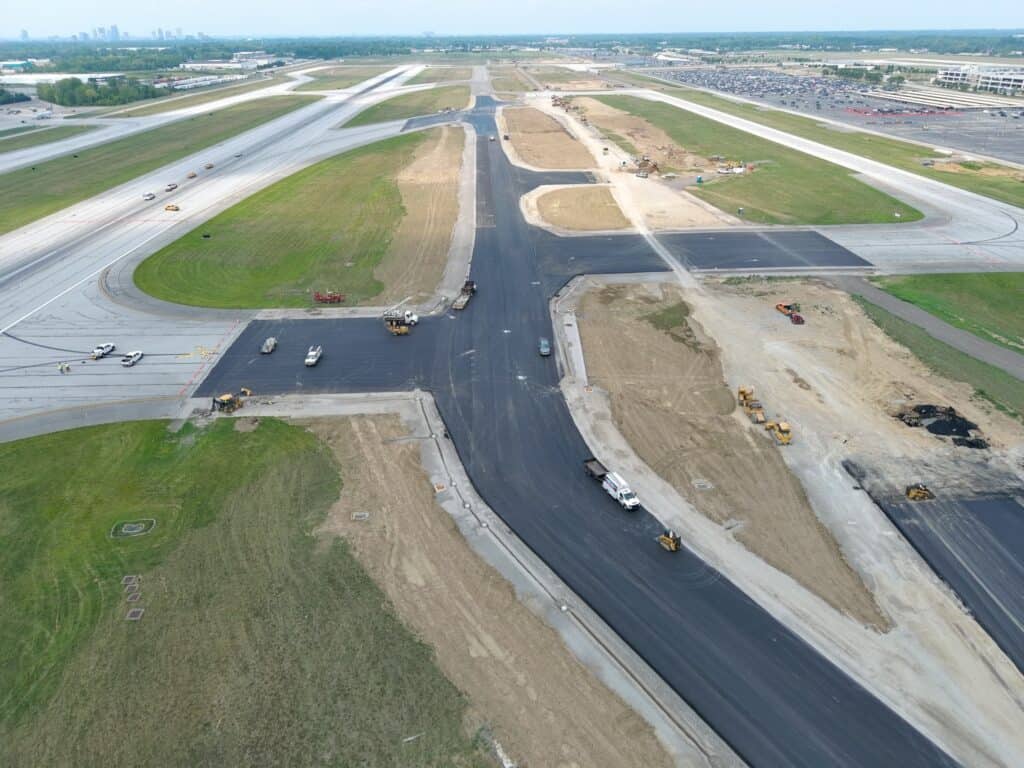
(773, 698)
(975, 546)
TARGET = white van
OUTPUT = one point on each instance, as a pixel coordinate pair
(619, 490)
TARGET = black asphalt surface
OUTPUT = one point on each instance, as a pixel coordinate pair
(977, 547)
(774, 699)
(792, 249)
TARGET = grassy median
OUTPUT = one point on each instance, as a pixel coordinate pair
(787, 187)
(30, 193)
(327, 227)
(992, 180)
(442, 75)
(36, 138)
(204, 96)
(998, 387)
(335, 78)
(413, 105)
(261, 643)
(988, 304)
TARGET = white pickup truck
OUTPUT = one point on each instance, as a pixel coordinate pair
(612, 483)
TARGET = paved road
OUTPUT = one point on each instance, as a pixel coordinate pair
(792, 249)
(977, 547)
(772, 697)
(1000, 357)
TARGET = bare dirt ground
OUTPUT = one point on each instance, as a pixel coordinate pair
(541, 141)
(670, 401)
(542, 705)
(583, 208)
(642, 137)
(986, 169)
(419, 250)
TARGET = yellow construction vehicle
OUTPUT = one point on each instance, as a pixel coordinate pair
(671, 541)
(751, 405)
(919, 492)
(780, 430)
(227, 403)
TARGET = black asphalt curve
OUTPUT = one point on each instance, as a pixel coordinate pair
(787, 249)
(977, 547)
(773, 698)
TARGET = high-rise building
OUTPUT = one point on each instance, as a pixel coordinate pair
(114, 34)
(24, 34)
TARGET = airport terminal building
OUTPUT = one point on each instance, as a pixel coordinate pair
(1007, 80)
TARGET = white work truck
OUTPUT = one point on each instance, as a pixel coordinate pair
(612, 483)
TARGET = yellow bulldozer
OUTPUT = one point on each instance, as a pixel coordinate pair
(671, 541)
(781, 431)
(919, 492)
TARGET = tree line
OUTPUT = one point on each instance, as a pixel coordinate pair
(72, 92)
(12, 97)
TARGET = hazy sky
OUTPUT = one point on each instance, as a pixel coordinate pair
(365, 17)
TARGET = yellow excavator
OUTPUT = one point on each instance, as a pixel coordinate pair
(671, 541)
(229, 402)
(781, 431)
(919, 492)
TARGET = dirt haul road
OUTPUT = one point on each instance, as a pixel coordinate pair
(416, 259)
(542, 705)
(670, 401)
(539, 141)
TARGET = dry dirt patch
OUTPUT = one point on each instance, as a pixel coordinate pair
(544, 707)
(430, 195)
(582, 208)
(669, 399)
(641, 137)
(541, 141)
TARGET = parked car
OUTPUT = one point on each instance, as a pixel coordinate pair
(544, 347)
(170, 187)
(102, 350)
(313, 356)
(131, 358)
(268, 346)
(171, 207)
(149, 196)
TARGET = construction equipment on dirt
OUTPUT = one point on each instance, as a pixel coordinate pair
(465, 294)
(796, 319)
(328, 297)
(780, 430)
(227, 403)
(398, 322)
(671, 541)
(919, 492)
(788, 309)
(751, 405)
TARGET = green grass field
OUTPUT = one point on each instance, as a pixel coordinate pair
(788, 187)
(336, 78)
(43, 137)
(261, 643)
(413, 105)
(6, 132)
(999, 388)
(899, 154)
(323, 228)
(28, 194)
(192, 99)
(988, 304)
(441, 75)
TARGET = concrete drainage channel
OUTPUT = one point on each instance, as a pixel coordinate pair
(681, 731)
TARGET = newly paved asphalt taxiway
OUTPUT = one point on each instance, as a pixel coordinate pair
(772, 697)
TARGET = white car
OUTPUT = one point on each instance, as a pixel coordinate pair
(149, 196)
(131, 358)
(102, 350)
(269, 345)
(313, 356)
(170, 187)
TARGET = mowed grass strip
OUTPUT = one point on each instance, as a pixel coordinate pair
(441, 75)
(998, 387)
(989, 179)
(324, 228)
(787, 187)
(988, 304)
(261, 643)
(30, 193)
(413, 105)
(335, 78)
(43, 137)
(205, 96)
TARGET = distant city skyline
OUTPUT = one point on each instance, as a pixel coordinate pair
(319, 18)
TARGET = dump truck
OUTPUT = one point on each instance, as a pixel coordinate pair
(612, 483)
(465, 294)
(670, 540)
(780, 430)
(398, 322)
(751, 405)
(919, 492)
